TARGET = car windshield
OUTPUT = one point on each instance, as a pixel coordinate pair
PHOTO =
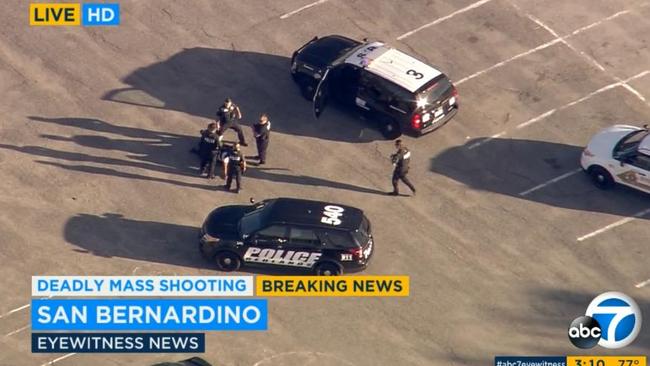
(630, 143)
(255, 219)
(345, 53)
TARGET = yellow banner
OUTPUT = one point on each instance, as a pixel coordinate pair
(54, 14)
(389, 286)
(606, 361)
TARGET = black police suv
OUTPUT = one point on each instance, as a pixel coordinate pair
(288, 233)
(401, 93)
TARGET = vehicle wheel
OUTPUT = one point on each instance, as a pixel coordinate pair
(307, 91)
(327, 269)
(601, 177)
(390, 129)
(227, 261)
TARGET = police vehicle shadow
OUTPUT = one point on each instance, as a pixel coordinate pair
(553, 310)
(113, 235)
(197, 80)
(513, 167)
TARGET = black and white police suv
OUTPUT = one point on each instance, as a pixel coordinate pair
(397, 91)
(289, 233)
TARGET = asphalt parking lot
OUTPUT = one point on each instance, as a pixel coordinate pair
(506, 242)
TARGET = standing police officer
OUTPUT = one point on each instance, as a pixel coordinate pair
(262, 132)
(401, 159)
(227, 116)
(233, 167)
(208, 144)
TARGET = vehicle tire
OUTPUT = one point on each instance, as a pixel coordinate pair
(227, 261)
(601, 177)
(307, 91)
(390, 129)
(327, 269)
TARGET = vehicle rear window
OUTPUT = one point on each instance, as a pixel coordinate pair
(436, 88)
(362, 235)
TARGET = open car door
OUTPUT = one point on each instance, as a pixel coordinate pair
(322, 93)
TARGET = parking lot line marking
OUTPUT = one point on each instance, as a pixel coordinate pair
(285, 16)
(614, 225)
(549, 182)
(442, 19)
(552, 111)
(479, 143)
(532, 50)
(541, 47)
(58, 359)
(538, 118)
(15, 310)
(635, 92)
(642, 284)
(589, 59)
(17, 331)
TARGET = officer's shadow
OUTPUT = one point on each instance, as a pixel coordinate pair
(148, 150)
(271, 174)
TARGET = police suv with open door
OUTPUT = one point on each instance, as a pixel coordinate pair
(288, 233)
(619, 154)
(399, 92)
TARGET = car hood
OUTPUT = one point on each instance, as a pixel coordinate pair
(223, 222)
(602, 144)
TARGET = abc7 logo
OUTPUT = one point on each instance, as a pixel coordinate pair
(584, 332)
(612, 320)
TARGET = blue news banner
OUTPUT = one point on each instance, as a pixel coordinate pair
(135, 315)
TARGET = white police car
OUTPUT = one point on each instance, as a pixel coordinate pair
(619, 154)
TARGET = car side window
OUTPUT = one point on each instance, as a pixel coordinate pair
(641, 161)
(302, 236)
(397, 96)
(272, 232)
(385, 91)
(338, 238)
(370, 83)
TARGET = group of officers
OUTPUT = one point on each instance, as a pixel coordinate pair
(212, 149)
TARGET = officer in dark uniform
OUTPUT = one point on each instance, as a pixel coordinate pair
(401, 159)
(233, 167)
(208, 146)
(262, 133)
(227, 116)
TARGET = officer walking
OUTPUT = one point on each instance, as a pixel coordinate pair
(227, 116)
(233, 167)
(208, 144)
(262, 132)
(401, 159)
